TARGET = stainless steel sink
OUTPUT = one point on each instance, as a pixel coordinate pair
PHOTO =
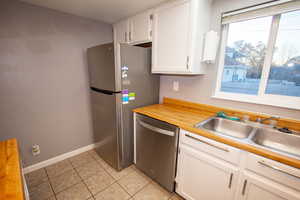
(254, 134)
(278, 141)
(226, 127)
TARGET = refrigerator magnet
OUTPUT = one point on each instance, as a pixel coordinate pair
(125, 99)
(124, 74)
(131, 96)
(124, 68)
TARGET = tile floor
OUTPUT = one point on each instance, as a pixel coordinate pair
(88, 177)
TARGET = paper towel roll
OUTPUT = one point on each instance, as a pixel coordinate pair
(210, 47)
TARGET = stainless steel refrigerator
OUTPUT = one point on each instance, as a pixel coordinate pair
(115, 92)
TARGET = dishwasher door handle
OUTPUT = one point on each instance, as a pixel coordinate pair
(155, 129)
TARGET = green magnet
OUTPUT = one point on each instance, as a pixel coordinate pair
(131, 96)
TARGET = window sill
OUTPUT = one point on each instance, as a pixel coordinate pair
(269, 100)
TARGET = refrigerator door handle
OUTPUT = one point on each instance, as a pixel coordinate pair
(156, 129)
(104, 91)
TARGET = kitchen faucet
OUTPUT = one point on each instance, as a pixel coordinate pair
(259, 120)
(272, 123)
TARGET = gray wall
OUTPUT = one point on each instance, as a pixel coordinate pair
(201, 88)
(44, 96)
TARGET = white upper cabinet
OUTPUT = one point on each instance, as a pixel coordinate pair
(121, 32)
(178, 35)
(140, 28)
(135, 30)
(170, 49)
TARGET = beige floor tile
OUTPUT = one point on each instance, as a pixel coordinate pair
(113, 192)
(119, 174)
(99, 182)
(152, 191)
(41, 192)
(60, 183)
(36, 177)
(139, 171)
(176, 197)
(134, 182)
(103, 164)
(59, 168)
(89, 169)
(94, 154)
(81, 159)
(76, 192)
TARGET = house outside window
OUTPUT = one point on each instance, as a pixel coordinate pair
(260, 56)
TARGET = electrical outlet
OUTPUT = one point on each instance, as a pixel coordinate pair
(35, 150)
(176, 86)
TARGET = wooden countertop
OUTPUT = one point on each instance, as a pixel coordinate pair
(11, 184)
(186, 114)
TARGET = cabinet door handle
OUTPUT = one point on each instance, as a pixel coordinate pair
(130, 36)
(187, 62)
(125, 36)
(156, 129)
(244, 187)
(277, 169)
(230, 180)
(202, 141)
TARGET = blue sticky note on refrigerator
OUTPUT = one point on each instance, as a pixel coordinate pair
(125, 98)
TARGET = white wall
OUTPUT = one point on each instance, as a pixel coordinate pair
(201, 88)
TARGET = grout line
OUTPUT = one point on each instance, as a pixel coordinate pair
(94, 195)
(117, 180)
(32, 187)
(74, 170)
(50, 182)
(83, 183)
(124, 189)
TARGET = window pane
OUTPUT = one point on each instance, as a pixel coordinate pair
(284, 78)
(244, 55)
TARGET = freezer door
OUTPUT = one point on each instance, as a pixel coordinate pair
(141, 84)
(101, 67)
(106, 123)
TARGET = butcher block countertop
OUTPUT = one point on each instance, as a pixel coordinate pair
(186, 114)
(11, 185)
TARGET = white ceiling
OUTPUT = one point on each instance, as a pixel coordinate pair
(109, 11)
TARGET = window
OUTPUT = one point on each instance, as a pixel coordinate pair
(260, 56)
(245, 54)
(284, 77)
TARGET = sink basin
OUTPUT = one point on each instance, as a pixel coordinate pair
(226, 127)
(278, 141)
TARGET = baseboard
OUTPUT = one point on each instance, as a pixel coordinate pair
(58, 158)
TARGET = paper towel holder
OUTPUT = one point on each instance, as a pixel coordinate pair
(211, 42)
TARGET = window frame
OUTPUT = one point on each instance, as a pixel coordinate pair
(261, 98)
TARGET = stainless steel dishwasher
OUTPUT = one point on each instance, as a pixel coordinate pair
(156, 150)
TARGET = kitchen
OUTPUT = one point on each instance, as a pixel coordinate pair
(180, 99)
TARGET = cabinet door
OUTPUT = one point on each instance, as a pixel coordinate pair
(170, 46)
(201, 176)
(121, 30)
(255, 187)
(140, 28)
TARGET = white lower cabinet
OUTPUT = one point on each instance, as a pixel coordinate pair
(203, 175)
(200, 176)
(255, 187)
